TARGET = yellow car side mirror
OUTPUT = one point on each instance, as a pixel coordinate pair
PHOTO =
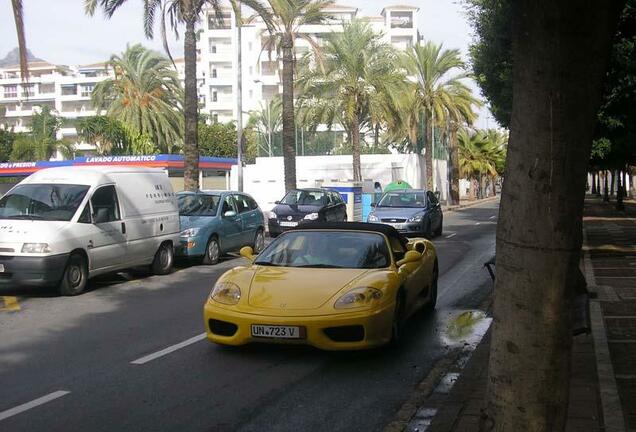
(248, 253)
(409, 257)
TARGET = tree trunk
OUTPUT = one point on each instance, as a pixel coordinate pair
(355, 147)
(289, 126)
(190, 108)
(612, 182)
(605, 186)
(598, 183)
(493, 182)
(471, 189)
(428, 146)
(593, 184)
(453, 169)
(619, 191)
(538, 246)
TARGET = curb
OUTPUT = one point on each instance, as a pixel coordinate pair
(613, 418)
(471, 204)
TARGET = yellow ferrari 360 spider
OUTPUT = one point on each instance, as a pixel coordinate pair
(333, 285)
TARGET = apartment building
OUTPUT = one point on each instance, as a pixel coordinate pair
(67, 89)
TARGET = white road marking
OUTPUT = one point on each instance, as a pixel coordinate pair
(169, 350)
(451, 235)
(492, 217)
(34, 403)
(477, 223)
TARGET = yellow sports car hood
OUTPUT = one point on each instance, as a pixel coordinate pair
(290, 288)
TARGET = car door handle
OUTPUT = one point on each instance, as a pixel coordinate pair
(123, 228)
(90, 245)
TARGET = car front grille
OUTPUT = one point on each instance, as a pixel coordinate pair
(353, 333)
(393, 220)
(222, 328)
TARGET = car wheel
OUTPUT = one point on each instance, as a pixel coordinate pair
(212, 251)
(259, 241)
(397, 326)
(164, 259)
(427, 231)
(438, 232)
(75, 276)
(433, 288)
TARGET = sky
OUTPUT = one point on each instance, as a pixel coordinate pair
(58, 30)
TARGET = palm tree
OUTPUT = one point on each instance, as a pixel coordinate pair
(145, 96)
(459, 112)
(108, 135)
(431, 66)
(481, 154)
(178, 12)
(18, 17)
(354, 82)
(267, 122)
(287, 18)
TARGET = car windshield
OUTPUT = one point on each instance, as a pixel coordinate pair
(302, 197)
(198, 204)
(56, 202)
(403, 200)
(326, 249)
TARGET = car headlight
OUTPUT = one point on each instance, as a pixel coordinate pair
(36, 248)
(273, 215)
(373, 218)
(416, 218)
(358, 297)
(311, 216)
(226, 293)
(190, 232)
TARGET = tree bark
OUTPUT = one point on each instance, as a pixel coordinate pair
(289, 126)
(619, 192)
(355, 148)
(454, 168)
(493, 182)
(598, 183)
(593, 184)
(190, 108)
(612, 182)
(428, 146)
(605, 186)
(538, 246)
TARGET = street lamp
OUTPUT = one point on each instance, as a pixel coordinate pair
(239, 98)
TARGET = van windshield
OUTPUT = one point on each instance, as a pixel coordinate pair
(55, 202)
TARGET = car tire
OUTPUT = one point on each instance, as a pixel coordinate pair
(75, 276)
(259, 241)
(163, 261)
(439, 231)
(212, 251)
(433, 289)
(427, 232)
(397, 325)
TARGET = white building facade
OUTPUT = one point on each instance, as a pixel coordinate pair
(67, 90)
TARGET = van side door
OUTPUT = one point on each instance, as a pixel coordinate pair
(107, 247)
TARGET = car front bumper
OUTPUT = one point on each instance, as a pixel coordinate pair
(376, 326)
(191, 247)
(405, 227)
(275, 228)
(32, 271)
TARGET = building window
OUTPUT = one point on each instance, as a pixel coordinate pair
(213, 73)
(212, 49)
(28, 90)
(215, 118)
(87, 89)
(69, 90)
(10, 91)
(47, 88)
(223, 22)
(401, 19)
(214, 96)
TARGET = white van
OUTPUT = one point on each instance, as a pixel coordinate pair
(61, 226)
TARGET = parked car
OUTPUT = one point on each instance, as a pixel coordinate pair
(333, 285)
(216, 222)
(62, 226)
(306, 205)
(410, 211)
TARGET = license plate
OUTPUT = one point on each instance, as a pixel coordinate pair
(288, 224)
(1, 268)
(277, 332)
(397, 226)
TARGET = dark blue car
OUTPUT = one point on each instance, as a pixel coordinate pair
(216, 222)
(410, 211)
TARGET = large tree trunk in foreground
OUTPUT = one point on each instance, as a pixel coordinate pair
(454, 168)
(355, 148)
(190, 108)
(556, 93)
(289, 126)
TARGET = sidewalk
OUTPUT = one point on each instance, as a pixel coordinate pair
(464, 202)
(602, 383)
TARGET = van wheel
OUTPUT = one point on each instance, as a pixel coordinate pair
(164, 258)
(212, 251)
(75, 276)
(259, 241)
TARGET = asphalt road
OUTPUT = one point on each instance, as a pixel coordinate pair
(81, 363)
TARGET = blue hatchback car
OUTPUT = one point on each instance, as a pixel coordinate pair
(216, 222)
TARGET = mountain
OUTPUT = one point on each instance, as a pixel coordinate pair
(13, 58)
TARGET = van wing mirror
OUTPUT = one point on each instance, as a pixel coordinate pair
(409, 257)
(101, 215)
